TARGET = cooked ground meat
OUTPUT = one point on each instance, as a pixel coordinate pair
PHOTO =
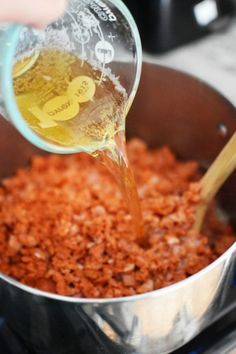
(64, 227)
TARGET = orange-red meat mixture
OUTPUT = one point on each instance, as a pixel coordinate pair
(64, 227)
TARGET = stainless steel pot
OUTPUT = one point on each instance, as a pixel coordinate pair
(171, 108)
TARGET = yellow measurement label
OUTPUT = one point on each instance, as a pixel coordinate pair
(24, 65)
(61, 108)
(63, 100)
(82, 88)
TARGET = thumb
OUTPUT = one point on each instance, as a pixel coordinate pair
(31, 12)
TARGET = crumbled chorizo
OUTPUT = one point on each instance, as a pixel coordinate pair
(64, 227)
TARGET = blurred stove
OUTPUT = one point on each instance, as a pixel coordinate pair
(168, 24)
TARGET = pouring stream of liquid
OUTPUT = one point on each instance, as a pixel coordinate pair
(116, 161)
(219, 171)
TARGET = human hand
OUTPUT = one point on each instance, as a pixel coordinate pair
(37, 13)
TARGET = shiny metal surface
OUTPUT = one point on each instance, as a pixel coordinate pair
(226, 345)
(174, 109)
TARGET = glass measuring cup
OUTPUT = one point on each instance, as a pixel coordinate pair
(101, 33)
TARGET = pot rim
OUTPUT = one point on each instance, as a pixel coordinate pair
(152, 294)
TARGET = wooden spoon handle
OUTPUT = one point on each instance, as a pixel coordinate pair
(219, 171)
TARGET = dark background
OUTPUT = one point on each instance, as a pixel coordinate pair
(167, 24)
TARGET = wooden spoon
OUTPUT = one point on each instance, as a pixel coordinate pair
(219, 171)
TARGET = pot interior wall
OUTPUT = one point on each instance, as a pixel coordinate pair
(191, 117)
